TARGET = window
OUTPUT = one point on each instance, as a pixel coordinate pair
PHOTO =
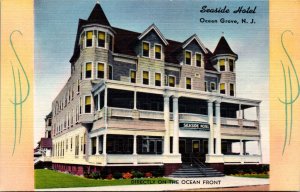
(231, 65)
(88, 104)
(84, 142)
(212, 86)
(88, 70)
(188, 57)
(66, 144)
(81, 141)
(198, 60)
(157, 51)
(78, 86)
(157, 79)
(110, 72)
(133, 76)
(146, 48)
(145, 77)
(222, 88)
(77, 145)
(81, 40)
(171, 81)
(89, 38)
(101, 39)
(231, 89)
(110, 39)
(188, 83)
(71, 143)
(100, 70)
(80, 105)
(205, 86)
(222, 64)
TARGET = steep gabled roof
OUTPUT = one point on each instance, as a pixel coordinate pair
(223, 47)
(196, 38)
(153, 27)
(98, 16)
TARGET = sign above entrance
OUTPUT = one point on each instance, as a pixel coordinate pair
(194, 125)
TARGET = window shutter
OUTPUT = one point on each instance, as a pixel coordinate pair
(146, 46)
(89, 34)
(187, 55)
(157, 48)
(157, 76)
(100, 67)
(89, 66)
(101, 35)
(145, 75)
(88, 100)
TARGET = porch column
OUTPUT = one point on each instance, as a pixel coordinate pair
(99, 101)
(176, 124)
(241, 147)
(105, 97)
(240, 111)
(134, 100)
(97, 145)
(218, 128)
(211, 124)
(134, 145)
(244, 148)
(167, 122)
(91, 146)
(104, 144)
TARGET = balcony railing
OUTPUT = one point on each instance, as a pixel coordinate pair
(151, 114)
(159, 115)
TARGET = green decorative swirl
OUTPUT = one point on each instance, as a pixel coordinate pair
(18, 103)
(288, 102)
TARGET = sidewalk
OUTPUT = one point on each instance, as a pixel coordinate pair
(181, 184)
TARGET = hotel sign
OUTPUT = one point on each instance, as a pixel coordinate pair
(195, 126)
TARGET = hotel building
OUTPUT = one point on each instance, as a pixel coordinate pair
(142, 100)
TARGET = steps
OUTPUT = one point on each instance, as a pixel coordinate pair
(192, 171)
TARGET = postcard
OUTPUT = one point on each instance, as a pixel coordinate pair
(128, 95)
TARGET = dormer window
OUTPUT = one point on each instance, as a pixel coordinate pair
(101, 39)
(89, 38)
(222, 64)
(198, 59)
(146, 49)
(157, 51)
(231, 65)
(188, 57)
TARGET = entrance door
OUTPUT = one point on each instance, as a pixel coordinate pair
(182, 146)
(196, 146)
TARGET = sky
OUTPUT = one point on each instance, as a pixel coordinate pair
(56, 24)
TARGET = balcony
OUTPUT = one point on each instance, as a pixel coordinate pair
(157, 115)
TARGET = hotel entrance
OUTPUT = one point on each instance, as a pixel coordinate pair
(193, 147)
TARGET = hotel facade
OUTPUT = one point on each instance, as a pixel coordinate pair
(141, 100)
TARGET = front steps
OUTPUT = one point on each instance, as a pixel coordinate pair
(192, 171)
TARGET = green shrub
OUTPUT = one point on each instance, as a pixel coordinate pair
(96, 175)
(117, 175)
(137, 174)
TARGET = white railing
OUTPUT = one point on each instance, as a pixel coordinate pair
(120, 112)
(145, 159)
(242, 158)
(193, 117)
(229, 121)
(249, 123)
(96, 159)
(151, 114)
(120, 158)
(99, 114)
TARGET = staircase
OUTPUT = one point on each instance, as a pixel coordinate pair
(195, 169)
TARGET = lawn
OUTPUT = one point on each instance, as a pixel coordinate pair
(52, 179)
(257, 175)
